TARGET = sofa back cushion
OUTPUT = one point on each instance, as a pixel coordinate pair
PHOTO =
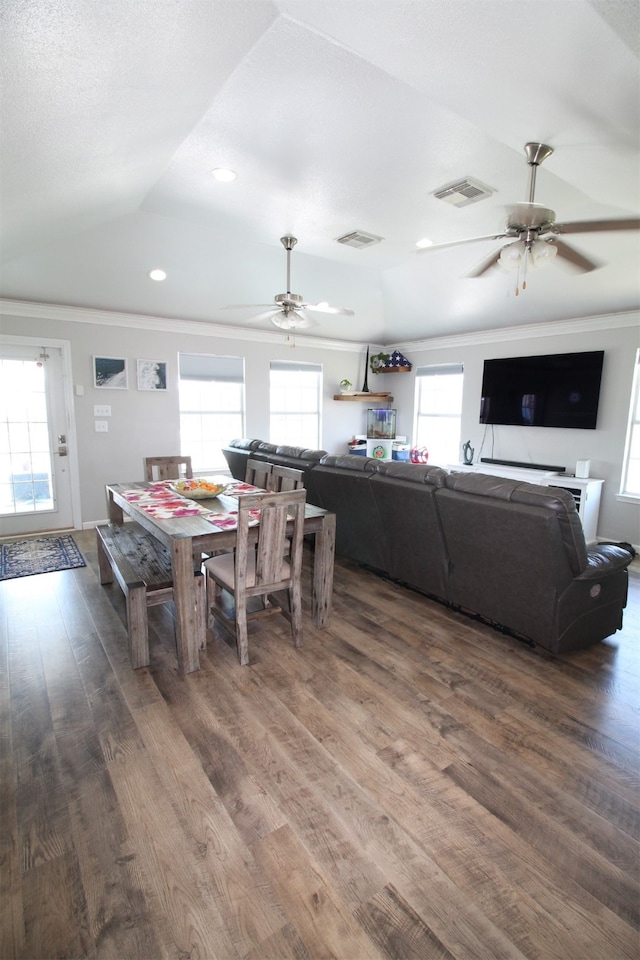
(559, 501)
(343, 487)
(416, 551)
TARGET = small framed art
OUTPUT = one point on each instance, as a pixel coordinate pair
(110, 373)
(152, 375)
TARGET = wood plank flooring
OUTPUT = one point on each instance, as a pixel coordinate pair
(410, 784)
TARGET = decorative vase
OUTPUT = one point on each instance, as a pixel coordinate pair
(365, 385)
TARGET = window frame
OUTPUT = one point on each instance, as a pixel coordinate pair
(632, 439)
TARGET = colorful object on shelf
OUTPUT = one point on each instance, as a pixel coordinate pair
(397, 361)
(419, 455)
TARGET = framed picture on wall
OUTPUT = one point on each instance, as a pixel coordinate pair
(152, 375)
(110, 373)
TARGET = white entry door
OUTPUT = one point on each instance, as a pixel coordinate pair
(38, 466)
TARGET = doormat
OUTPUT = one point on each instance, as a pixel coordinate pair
(24, 558)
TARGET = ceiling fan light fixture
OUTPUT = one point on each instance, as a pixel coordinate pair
(536, 253)
(512, 255)
(542, 252)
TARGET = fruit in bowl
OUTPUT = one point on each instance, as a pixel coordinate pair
(199, 488)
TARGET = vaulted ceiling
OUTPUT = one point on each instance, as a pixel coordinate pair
(338, 116)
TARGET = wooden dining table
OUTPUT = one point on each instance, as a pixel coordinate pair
(189, 537)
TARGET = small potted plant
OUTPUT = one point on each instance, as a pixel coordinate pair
(345, 386)
(378, 361)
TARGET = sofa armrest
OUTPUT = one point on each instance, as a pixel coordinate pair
(606, 558)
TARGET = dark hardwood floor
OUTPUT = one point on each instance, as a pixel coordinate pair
(410, 784)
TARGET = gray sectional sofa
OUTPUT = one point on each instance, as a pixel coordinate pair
(509, 552)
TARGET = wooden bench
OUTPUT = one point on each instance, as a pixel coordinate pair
(142, 567)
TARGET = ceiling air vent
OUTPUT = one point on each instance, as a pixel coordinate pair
(358, 238)
(461, 193)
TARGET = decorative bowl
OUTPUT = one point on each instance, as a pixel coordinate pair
(199, 488)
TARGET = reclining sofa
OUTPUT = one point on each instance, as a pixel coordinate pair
(509, 552)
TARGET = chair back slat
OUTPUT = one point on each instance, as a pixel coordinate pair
(258, 472)
(285, 478)
(168, 468)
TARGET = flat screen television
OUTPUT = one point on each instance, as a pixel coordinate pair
(555, 390)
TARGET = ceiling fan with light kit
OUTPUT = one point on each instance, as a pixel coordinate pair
(532, 232)
(290, 311)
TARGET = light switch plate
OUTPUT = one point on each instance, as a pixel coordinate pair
(101, 410)
(101, 426)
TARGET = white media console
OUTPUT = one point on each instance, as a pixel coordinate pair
(586, 492)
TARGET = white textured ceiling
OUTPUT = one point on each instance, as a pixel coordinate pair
(338, 115)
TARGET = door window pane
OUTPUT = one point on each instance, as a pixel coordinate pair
(26, 483)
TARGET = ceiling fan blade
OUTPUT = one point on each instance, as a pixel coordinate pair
(267, 315)
(486, 264)
(581, 263)
(327, 308)
(594, 226)
(456, 243)
(247, 306)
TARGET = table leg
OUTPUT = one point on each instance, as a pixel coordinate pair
(114, 511)
(184, 597)
(323, 570)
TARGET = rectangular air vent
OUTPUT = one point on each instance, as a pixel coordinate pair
(358, 238)
(461, 193)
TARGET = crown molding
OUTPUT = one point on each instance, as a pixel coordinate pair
(576, 325)
(54, 311)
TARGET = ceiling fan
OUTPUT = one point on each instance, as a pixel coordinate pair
(289, 311)
(533, 231)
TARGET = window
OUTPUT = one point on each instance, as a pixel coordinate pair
(296, 395)
(630, 485)
(439, 411)
(211, 407)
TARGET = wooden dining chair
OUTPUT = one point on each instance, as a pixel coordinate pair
(260, 570)
(257, 473)
(285, 478)
(167, 468)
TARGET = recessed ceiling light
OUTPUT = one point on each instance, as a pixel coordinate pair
(157, 275)
(425, 242)
(224, 175)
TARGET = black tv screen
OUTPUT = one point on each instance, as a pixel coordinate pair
(556, 390)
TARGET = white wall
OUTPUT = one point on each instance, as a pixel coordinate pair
(145, 423)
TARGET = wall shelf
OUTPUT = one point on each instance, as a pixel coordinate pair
(364, 397)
